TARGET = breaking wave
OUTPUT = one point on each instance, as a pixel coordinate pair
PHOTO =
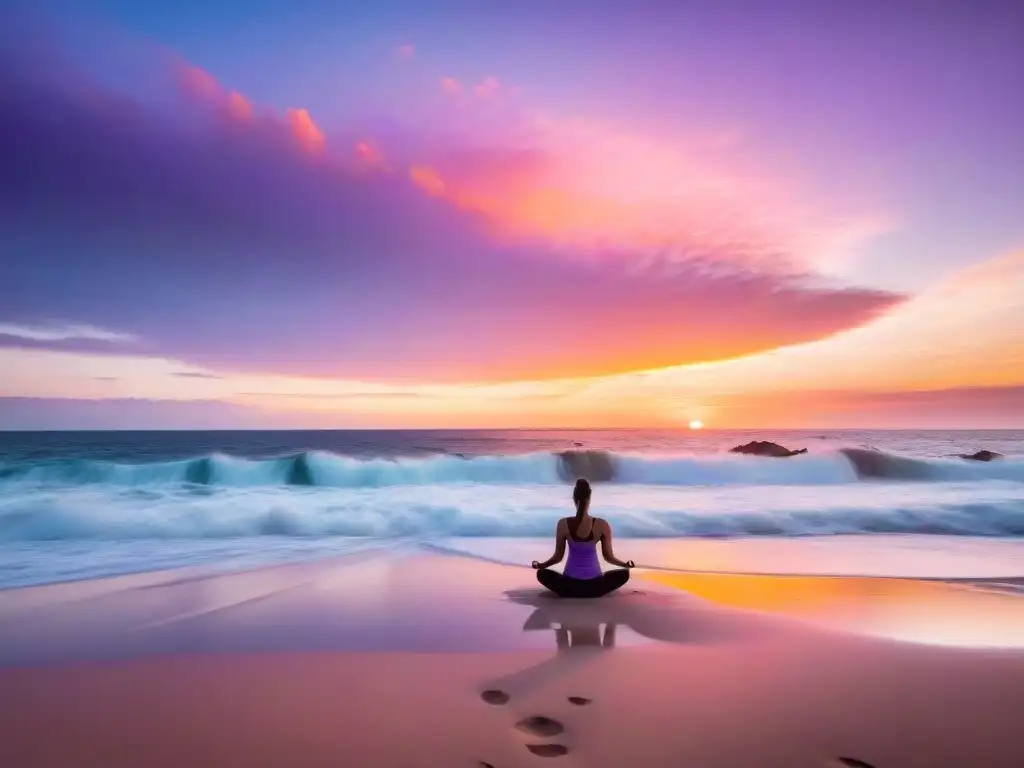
(113, 513)
(328, 470)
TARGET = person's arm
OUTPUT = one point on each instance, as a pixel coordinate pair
(561, 533)
(606, 547)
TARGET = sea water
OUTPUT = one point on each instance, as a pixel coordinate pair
(85, 504)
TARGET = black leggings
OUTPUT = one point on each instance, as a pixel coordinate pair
(566, 586)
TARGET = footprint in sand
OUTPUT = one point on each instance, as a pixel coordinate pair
(548, 750)
(495, 697)
(853, 762)
(539, 725)
(579, 701)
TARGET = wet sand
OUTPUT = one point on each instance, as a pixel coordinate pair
(427, 660)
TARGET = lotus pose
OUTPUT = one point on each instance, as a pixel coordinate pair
(582, 576)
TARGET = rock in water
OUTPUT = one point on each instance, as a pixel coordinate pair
(981, 456)
(766, 448)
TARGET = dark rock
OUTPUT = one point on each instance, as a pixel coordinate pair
(766, 448)
(871, 464)
(539, 725)
(981, 456)
(548, 750)
(853, 762)
(579, 701)
(495, 697)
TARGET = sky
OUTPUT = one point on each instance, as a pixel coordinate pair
(270, 214)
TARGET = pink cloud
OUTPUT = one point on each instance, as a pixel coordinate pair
(451, 86)
(200, 85)
(239, 107)
(322, 249)
(405, 52)
(369, 156)
(586, 184)
(305, 130)
(198, 82)
(488, 88)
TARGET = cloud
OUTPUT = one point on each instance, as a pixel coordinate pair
(59, 333)
(239, 107)
(305, 130)
(45, 413)
(276, 396)
(196, 375)
(199, 83)
(451, 86)
(405, 52)
(955, 408)
(427, 179)
(241, 251)
(487, 88)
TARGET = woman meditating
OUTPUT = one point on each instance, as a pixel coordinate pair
(582, 576)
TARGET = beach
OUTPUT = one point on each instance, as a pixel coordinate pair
(364, 599)
(384, 657)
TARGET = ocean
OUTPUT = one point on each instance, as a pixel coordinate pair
(79, 505)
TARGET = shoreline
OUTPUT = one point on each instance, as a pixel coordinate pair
(977, 560)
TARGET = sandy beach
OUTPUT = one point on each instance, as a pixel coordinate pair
(396, 658)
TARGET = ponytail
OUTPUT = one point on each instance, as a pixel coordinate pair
(581, 498)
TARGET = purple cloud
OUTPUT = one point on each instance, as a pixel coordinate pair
(226, 243)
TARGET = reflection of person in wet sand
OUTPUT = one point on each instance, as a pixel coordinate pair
(579, 635)
(582, 576)
(577, 626)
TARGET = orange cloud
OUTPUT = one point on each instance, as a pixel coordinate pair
(199, 82)
(369, 156)
(305, 130)
(451, 86)
(427, 180)
(589, 186)
(239, 107)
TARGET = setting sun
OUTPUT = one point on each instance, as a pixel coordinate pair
(696, 424)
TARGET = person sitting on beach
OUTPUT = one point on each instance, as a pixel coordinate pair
(582, 576)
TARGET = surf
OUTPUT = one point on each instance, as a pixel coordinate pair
(331, 470)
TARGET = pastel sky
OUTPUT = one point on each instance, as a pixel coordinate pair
(263, 213)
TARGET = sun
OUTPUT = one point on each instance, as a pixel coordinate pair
(696, 424)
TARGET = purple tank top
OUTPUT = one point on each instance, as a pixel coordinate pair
(582, 562)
